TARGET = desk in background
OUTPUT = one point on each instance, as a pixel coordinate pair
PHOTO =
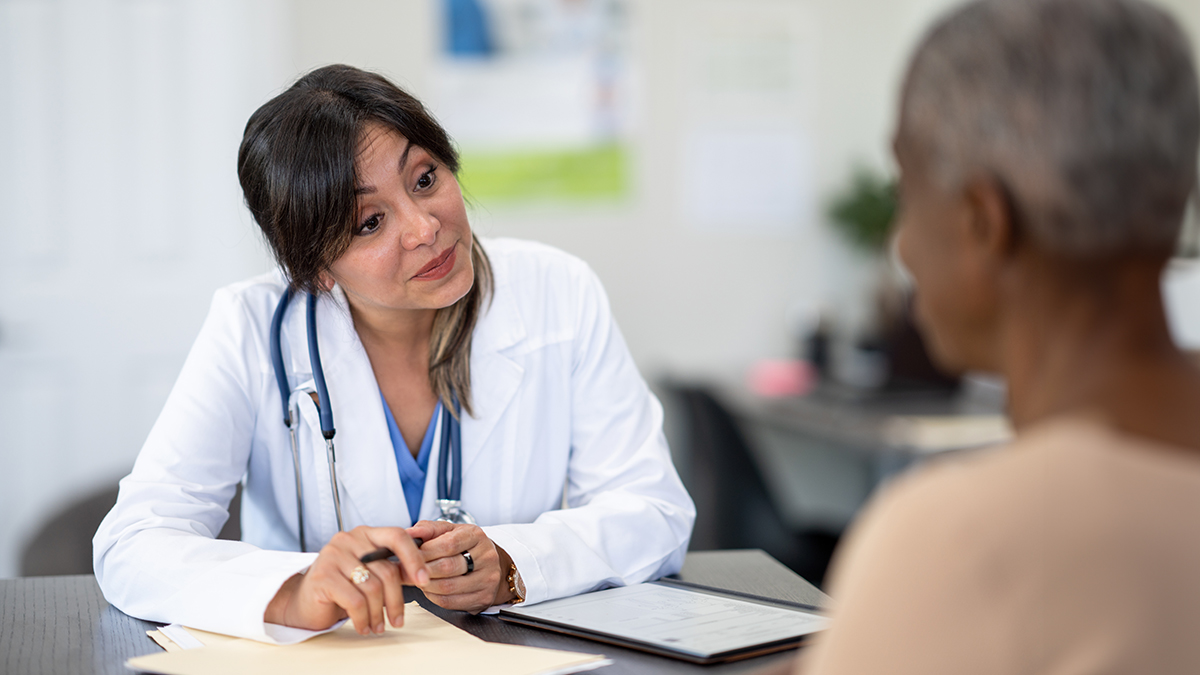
(62, 625)
(789, 474)
(823, 454)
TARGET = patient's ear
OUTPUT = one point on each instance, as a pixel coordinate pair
(992, 223)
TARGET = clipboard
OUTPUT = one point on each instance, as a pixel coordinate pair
(690, 624)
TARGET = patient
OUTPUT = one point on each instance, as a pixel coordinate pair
(1047, 151)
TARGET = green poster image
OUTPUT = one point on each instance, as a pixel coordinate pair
(585, 174)
(536, 94)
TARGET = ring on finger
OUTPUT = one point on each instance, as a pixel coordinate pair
(470, 563)
(360, 575)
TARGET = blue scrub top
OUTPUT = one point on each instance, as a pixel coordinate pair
(412, 471)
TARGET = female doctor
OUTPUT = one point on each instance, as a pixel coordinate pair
(396, 348)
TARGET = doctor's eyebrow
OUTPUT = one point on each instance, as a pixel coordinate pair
(370, 189)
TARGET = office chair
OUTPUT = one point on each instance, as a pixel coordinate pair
(64, 544)
(733, 507)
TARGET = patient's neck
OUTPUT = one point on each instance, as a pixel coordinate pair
(1092, 338)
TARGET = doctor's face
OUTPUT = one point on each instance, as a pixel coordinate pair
(411, 244)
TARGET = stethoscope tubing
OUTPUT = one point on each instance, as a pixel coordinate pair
(288, 408)
(314, 357)
(450, 482)
(449, 486)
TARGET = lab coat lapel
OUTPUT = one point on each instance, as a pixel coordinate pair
(366, 463)
(495, 377)
(367, 471)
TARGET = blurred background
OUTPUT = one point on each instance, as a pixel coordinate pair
(722, 164)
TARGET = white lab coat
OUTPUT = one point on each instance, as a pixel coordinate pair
(558, 402)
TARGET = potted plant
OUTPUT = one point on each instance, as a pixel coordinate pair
(892, 349)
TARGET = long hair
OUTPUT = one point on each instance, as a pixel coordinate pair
(297, 170)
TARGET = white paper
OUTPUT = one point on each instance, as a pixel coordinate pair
(180, 636)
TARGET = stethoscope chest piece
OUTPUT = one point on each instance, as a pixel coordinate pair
(449, 481)
(452, 512)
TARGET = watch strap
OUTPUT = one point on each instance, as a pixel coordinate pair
(515, 585)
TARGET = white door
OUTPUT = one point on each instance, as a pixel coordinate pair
(120, 213)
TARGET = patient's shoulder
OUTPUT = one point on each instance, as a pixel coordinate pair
(1057, 471)
(1018, 555)
(1059, 495)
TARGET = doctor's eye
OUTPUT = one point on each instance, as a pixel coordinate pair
(369, 225)
(427, 179)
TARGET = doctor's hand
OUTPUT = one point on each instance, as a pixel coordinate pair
(335, 587)
(450, 585)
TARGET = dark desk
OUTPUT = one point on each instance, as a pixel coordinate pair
(62, 625)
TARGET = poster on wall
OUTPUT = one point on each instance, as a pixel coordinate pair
(537, 94)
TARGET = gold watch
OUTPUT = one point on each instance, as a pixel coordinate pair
(515, 585)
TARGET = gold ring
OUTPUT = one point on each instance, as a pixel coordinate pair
(360, 575)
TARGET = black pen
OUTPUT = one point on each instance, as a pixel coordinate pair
(385, 553)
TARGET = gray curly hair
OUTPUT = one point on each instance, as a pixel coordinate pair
(1086, 111)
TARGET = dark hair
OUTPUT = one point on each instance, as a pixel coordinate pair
(1087, 110)
(296, 165)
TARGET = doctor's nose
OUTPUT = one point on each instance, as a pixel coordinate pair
(420, 229)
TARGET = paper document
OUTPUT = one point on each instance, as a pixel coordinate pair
(424, 644)
(181, 637)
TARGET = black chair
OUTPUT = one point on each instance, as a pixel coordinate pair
(733, 506)
(64, 544)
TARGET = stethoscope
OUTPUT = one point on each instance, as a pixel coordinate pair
(449, 501)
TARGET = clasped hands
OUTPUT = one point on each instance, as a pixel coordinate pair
(331, 591)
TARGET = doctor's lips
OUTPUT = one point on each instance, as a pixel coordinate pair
(439, 266)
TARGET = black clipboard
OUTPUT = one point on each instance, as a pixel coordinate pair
(742, 627)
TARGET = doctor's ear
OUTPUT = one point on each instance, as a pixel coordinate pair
(325, 281)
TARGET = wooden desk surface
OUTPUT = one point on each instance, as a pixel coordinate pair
(62, 625)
